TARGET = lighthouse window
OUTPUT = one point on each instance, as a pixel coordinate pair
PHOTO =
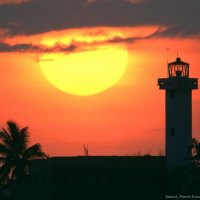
(172, 131)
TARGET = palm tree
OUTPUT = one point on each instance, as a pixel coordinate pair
(15, 155)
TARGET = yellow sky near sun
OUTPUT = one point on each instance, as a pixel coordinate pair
(88, 72)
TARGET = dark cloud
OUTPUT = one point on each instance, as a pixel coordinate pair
(4, 47)
(118, 39)
(181, 16)
(74, 46)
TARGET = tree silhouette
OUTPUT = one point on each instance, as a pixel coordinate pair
(196, 149)
(15, 155)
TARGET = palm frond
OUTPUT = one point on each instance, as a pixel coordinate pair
(196, 148)
(5, 138)
(4, 150)
(37, 155)
(19, 173)
(34, 152)
(13, 129)
(194, 142)
(5, 172)
(24, 138)
(2, 160)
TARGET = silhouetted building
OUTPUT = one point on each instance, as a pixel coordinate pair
(94, 177)
(178, 87)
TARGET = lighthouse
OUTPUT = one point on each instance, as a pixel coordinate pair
(178, 107)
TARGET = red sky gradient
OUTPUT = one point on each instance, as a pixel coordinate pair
(124, 120)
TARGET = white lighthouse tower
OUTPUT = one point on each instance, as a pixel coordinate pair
(178, 87)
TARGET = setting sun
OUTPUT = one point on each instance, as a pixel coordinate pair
(87, 72)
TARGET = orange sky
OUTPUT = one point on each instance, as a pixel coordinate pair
(126, 119)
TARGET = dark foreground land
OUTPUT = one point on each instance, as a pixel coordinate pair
(101, 178)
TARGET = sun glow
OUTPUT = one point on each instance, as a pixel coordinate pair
(94, 59)
(87, 72)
